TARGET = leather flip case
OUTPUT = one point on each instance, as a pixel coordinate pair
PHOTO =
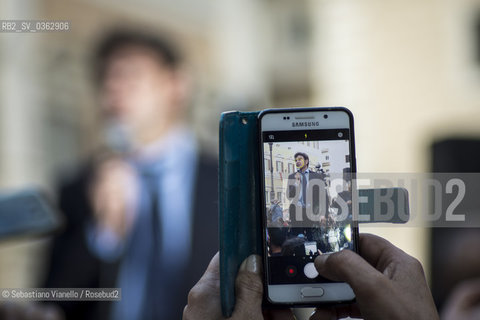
(239, 202)
(240, 228)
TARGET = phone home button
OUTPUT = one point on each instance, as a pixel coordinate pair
(310, 292)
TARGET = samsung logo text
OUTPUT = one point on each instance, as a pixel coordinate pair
(306, 124)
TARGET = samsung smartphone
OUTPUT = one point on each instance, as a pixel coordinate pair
(308, 158)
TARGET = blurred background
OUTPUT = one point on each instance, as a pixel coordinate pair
(408, 70)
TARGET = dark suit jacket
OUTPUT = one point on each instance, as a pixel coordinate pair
(317, 205)
(72, 265)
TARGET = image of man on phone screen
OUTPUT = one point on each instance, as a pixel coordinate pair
(306, 189)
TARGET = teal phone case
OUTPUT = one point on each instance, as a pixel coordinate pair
(239, 203)
(240, 222)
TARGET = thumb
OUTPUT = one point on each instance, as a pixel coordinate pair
(249, 289)
(347, 266)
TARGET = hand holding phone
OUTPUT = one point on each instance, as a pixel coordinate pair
(204, 299)
(388, 283)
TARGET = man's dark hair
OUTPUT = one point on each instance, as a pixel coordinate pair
(277, 236)
(294, 246)
(304, 155)
(118, 40)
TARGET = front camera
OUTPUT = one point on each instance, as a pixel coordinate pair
(325, 116)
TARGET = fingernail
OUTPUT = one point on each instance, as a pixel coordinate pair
(252, 264)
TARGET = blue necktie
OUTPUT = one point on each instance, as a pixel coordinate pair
(154, 300)
(142, 253)
(304, 189)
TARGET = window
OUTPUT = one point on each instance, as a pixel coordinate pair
(279, 166)
(290, 168)
(267, 164)
(279, 196)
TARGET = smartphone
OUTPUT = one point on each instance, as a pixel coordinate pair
(307, 160)
(27, 213)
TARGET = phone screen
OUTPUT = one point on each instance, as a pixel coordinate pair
(308, 201)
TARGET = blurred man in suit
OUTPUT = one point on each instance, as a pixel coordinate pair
(139, 214)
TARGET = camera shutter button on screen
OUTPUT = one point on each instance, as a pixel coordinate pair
(310, 270)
